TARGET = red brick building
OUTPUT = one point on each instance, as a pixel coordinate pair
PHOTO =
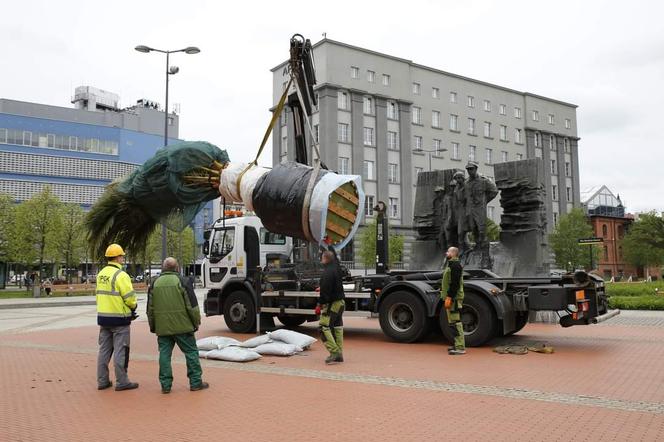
(609, 222)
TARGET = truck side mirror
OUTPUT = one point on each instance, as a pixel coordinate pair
(206, 234)
(206, 247)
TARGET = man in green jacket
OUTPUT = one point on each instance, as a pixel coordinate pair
(174, 316)
(451, 291)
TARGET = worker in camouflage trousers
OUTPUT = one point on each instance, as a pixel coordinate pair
(331, 305)
(452, 291)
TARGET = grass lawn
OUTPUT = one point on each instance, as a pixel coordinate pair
(636, 295)
(7, 294)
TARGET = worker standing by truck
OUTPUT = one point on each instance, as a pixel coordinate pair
(331, 306)
(116, 308)
(452, 291)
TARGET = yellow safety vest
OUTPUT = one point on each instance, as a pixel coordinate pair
(115, 296)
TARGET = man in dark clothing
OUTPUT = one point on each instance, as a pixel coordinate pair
(174, 316)
(452, 291)
(331, 307)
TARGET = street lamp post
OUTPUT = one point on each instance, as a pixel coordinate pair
(429, 152)
(170, 70)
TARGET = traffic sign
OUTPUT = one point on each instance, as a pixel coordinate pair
(590, 241)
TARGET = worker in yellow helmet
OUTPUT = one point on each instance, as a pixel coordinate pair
(116, 308)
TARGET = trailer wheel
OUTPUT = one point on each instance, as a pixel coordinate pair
(291, 321)
(403, 317)
(239, 312)
(478, 318)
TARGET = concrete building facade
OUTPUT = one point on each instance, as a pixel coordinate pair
(388, 119)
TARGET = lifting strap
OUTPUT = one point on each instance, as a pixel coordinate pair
(275, 117)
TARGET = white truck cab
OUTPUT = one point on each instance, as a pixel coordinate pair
(236, 245)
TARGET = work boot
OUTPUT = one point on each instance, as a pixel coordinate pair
(165, 390)
(455, 352)
(109, 384)
(334, 359)
(129, 386)
(450, 348)
(202, 386)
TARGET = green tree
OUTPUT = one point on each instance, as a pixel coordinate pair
(7, 215)
(564, 241)
(71, 242)
(178, 245)
(368, 246)
(37, 229)
(492, 231)
(643, 244)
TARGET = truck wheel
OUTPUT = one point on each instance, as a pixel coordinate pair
(239, 312)
(479, 321)
(403, 317)
(291, 321)
(521, 320)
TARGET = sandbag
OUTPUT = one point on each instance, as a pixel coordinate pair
(233, 354)
(215, 342)
(292, 337)
(202, 353)
(256, 341)
(277, 349)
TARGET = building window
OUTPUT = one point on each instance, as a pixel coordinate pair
(417, 143)
(418, 170)
(552, 142)
(369, 170)
(503, 156)
(284, 145)
(371, 76)
(567, 146)
(417, 88)
(535, 115)
(487, 129)
(471, 126)
(503, 132)
(343, 166)
(490, 212)
(487, 105)
(517, 135)
(453, 97)
(554, 192)
(417, 115)
(435, 92)
(455, 151)
(554, 168)
(316, 133)
(437, 147)
(343, 132)
(435, 119)
(568, 193)
(568, 168)
(392, 140)
(555, 219)
(369, 205)
(551, 119)
(354, 72)
(368, 105)
(517, 112)
(368, 136)
(3, 136)
(471, 101)
(489, 156)
(502, 109)
(394, 207)
(386, 80)
(605, 231)
(472, 153)
(454, 122)
(342, 99)
(537, 139)
(393, 173)
(568, 123)
(519, 156)
(392, 110)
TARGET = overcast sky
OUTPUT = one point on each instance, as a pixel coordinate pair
(606, 57)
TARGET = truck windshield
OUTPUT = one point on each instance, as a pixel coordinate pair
(223, 242)
(269, 238)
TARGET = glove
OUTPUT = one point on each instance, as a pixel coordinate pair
(448, 303)
(317, 310)
(134, 315)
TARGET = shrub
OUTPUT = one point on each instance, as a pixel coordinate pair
(645, 302)
(634, 288)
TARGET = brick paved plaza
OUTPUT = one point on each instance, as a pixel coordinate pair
(603, 382)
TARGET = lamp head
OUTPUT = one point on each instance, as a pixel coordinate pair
(192, 50)
(143, 48)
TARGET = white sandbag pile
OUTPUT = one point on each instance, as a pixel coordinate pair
(277, 343)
